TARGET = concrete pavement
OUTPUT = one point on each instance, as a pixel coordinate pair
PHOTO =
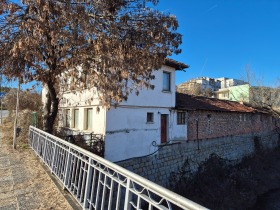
(24, 183)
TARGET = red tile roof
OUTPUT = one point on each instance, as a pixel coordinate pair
(190, 102)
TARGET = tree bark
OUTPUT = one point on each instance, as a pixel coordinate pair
(16, 118)
(50, 108)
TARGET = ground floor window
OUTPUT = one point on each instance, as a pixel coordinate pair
(150, 117)
(76, 118)
(181, 118)
(67, 118)
(88, 119)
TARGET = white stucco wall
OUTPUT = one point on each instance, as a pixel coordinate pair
(177, 132)
(82, 101)
(156, 97)
(44, 94)
(129, 135)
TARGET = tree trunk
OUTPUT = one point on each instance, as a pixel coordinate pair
(50, 108)
(16, 118)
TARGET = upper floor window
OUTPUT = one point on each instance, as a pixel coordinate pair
(166, 81)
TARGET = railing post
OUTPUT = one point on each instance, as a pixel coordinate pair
(38, 141)
(66, 174)
(88, 184)
(45, 145)
(53, 159)
(30, 136)
(29, 131)
(128, 196)
(33, 139)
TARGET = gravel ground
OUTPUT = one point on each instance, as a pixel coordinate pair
(24, 184)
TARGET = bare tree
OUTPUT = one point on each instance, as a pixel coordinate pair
(263, 97)
(28, 100)
(117, 43)
(208, 92)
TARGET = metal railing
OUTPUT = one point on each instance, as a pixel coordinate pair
(100, 184)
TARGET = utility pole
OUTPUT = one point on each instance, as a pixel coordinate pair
(16, 118)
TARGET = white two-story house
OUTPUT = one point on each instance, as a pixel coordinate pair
(136, 127)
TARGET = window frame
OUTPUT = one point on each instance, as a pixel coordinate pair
(87, 127)
(76, 119)
(181, 118)
(67, 118)
(151, 118)
(169, 81)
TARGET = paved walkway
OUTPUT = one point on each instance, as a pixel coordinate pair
(24, 184)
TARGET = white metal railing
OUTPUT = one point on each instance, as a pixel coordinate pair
(100, 184)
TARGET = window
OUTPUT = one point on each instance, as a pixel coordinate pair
(166, 81)
(88, 119)
(76, 118)
(67, 118)
(150, 117)
(181, 118)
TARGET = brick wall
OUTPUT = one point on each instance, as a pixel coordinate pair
(210, 124)
(169, 159)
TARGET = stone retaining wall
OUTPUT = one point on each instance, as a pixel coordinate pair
(169, 159)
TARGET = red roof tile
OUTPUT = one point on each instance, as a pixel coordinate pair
(189, 102)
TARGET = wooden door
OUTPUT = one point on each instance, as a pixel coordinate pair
(163, 128)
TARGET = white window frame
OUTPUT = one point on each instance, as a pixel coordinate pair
(76, 121)
(67, 118)
(87, 126)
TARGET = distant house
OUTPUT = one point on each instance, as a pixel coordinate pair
(213, 118)
(138, 126)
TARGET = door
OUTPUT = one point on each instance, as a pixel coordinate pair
(163, 128)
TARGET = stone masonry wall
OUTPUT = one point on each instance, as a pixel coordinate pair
(169, 159)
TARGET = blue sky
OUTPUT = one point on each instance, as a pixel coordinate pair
(222, 37)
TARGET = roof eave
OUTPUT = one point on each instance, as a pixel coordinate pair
(175, 64)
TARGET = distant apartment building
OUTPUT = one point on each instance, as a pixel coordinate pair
(233, 90)
(200, 86)
(229, 82)
(218, 87)
(228, 89)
